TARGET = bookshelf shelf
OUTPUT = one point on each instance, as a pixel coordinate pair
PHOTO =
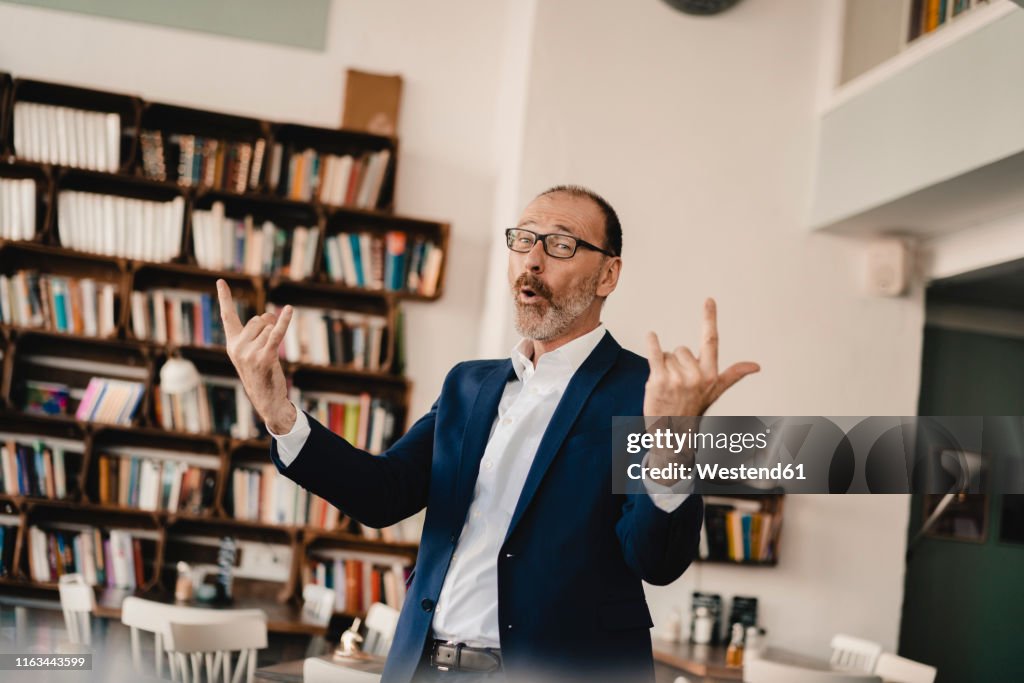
(68, 355)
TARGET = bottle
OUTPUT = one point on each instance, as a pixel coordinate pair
(753, 644)
(183, 586)
(734, 654)
(675, 627)
(703, 623)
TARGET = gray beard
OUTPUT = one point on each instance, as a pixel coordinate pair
(559, 315)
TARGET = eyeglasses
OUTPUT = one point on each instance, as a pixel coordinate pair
(556, 245)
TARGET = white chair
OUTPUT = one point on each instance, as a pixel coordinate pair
(212, 647)
(77, 601)
(317, 604)
(854, 654)
(381, 622)
(141, 615)
(769, 671)
(895, 669)
(318, 670)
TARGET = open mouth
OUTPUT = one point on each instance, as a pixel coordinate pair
(529, 295)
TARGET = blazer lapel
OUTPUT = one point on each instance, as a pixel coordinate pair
(576, 394)
(478, 429)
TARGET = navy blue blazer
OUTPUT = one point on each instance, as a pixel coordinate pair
(570, 599)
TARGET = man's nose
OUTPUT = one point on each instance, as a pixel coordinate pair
(536, 257)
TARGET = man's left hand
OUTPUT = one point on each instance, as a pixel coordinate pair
(681, 384)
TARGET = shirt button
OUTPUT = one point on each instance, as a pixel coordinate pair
(476, 513)
(488, 464)
(507, 421)
(427, 604)
(509, 627)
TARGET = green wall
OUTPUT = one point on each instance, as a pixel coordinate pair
(963, 604)
(295, 23)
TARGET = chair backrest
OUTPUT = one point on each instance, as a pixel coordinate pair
(317, 670)
(895, 669)
(154, 617)
(210, 647)
(381, 622)
(768, 671)
(77, 601)
(854, 654)
(317, 604)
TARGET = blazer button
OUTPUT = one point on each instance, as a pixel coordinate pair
(427, 604)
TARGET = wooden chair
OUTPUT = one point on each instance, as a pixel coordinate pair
(854, 654)
(895, 669)
(77, 601)
(212, 646)
(153, 617)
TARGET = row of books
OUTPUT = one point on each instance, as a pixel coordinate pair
(17, 208)
(331, 337)
(202, 161)
(223, 243)
(63, 304)
(389, 261)
(67, 136)
(364, 421)
(329, 178)
(260, 493)
(104, 558)
(8, 535)
(928, 15)
(111, 401)
(120, 226)
(737, 535)
(155, 484)
(357, 582)
(33, 469)
(218, 406)
(180, 317)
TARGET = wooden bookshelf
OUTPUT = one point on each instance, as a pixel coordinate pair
(50, 355)
(770, 504)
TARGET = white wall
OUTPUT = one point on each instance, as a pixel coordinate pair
(699, 131)
(449, 159)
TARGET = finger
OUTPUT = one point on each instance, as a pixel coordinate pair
(277, 333)
(687, 364)
(253, 328)
(228, 316)
(655, 356)
(709, 339)
(734, 373)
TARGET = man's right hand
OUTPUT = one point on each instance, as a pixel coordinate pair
(253, 351)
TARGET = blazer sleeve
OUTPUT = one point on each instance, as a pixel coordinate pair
(658, 545)
(375, 490)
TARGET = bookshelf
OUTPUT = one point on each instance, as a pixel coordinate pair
(114, 276)
(742, 531)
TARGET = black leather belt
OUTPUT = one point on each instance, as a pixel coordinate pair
(445, 656)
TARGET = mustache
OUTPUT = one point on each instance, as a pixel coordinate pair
(533, 282)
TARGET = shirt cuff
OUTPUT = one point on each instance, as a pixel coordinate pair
(289, 445)
(667, 498)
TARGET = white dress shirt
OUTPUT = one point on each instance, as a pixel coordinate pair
(467, 607)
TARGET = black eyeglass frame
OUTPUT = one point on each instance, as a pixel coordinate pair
(542, 238)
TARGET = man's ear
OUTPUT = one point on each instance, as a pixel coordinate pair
(609, 275)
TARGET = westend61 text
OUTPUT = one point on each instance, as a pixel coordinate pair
(714, 471)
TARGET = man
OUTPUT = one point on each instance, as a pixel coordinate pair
(529, 566)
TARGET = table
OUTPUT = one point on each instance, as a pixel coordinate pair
(291, 672)
(281, 617)
(708, 661)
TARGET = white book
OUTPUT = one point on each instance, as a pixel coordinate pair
(36, 133)
(120, 223)
(269, 231)
(98, 122)
(39, 549)
(81, 139)
(341, 180)
(199, 219)
(63, 147)
(88, 558)
(149, 231)
(121, 552)
(218, 241)
(28, 209)
(8, 227)
(137, 229)
(149, 484)
(91, 143)
(113, 142)
(309, 258)
(159, 317)
(299, 235)
(21, 130)
(90, 303)
(109, 229)
(108, 325)
(378, 179)
(71, 133)
(10, 471)
(348, 260)
(178, 470)
(50, 142)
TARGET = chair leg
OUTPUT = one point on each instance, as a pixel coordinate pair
(158, 649)
(136, 651)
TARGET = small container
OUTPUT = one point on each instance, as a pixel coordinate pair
(734, 654)
(753, 645)
(183, 586)
(703, 624)
(674, 630)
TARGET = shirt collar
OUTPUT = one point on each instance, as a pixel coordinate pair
(566, 358)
